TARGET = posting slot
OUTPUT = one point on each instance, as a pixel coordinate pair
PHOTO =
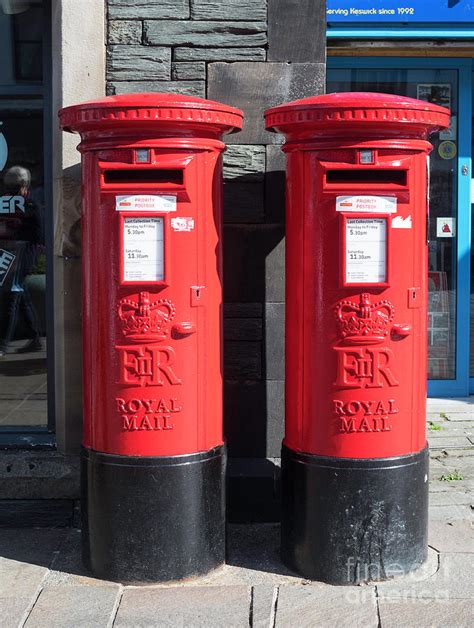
(367, 178)
(132, 176)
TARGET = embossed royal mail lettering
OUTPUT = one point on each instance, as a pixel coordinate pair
(361, 367)
(147, 365)
(148, 405)
(147, 414)
(147, 423)
(364, 416)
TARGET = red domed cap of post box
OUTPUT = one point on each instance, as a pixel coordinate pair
(184, 115)
(360, 113)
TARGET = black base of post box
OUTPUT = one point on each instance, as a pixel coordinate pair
(153, 519)
(346, 520)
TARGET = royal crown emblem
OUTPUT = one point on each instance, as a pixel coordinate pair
(364, 322)
(144, 320)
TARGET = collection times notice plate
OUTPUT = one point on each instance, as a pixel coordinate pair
(366, 250)
(143, 249)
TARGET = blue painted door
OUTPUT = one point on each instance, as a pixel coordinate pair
(447, 82)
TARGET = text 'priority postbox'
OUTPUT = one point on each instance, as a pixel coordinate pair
(153, 456)
(355, 459)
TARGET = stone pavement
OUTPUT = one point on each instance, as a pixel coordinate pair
(42, 583)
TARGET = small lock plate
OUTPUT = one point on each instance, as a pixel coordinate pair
(414, 298)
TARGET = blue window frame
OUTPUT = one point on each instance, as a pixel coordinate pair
(462, 384)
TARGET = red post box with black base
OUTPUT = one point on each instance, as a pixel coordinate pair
(153, 456)
(355, 457)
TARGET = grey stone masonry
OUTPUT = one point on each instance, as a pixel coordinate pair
(127, 63)
(229, 9)
(220, 54)
(244, 161)
(125, 32)
(167, 40)
(253, 87)
(214, 34)
(188, 71)
(150, 9)
(192, 88)
(296, 31)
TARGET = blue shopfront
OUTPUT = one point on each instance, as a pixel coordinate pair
(425, 50)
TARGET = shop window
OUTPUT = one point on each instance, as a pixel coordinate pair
(25, 222)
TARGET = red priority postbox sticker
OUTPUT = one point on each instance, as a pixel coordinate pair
(146, 203)
(367, 204)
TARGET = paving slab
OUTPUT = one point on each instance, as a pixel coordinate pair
(67, 568)
(451, 427)
(454, 455)
(37, 546)
(447, 441)
(452, 580)
(460, 416)
(264, 599)
(425, 613)
(451, 498)
(310, 606)
(20, 584)
(449, 513)
(452, 536)
(459, 404)
(253, 558)
(74, 606)
(184, 606)
(25, 556)
(454, 459)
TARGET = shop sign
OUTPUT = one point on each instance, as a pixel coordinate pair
(400, 11)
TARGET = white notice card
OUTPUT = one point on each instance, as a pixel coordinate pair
(366, 250)
(143, 249)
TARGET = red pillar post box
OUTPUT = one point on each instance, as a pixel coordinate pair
(355, 458)
(153, 456)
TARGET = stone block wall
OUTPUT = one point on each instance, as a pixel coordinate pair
(251, 54)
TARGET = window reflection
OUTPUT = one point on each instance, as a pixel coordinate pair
(23, 367)
(439, 87)
(21, 42)
(20, 230)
